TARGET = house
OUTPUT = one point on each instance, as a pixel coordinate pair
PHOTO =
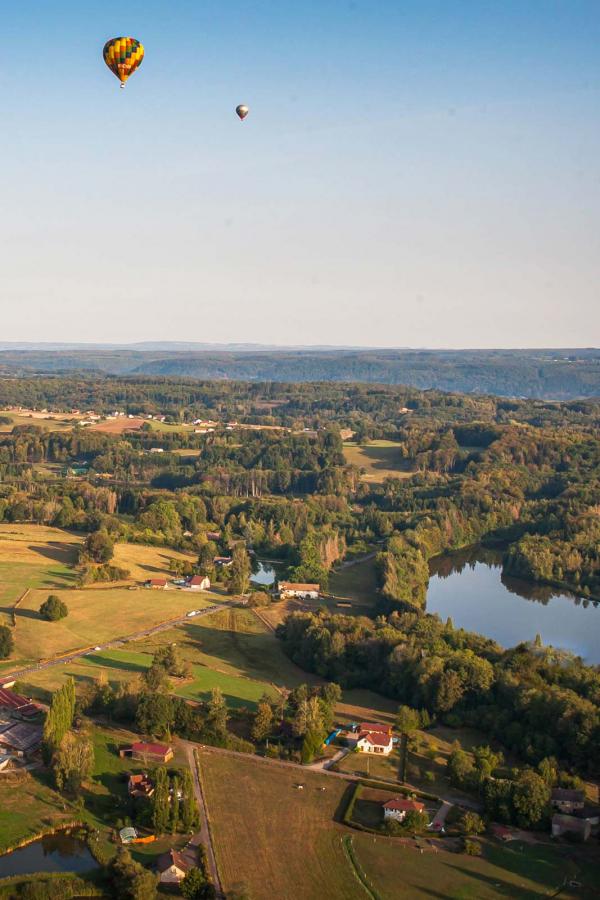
(156, 450)
(565, 824)
(374, 728)
(199, 583)
(154, 752)
(296, 589)
(567, 800)
(18, 706)
(19, 738)
(375, 742)
(400, 806)
(5, 758)
(140, 786)
(173, 866)
(222, 560)
(157, 584)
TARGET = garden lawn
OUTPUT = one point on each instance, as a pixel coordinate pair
(275, 840)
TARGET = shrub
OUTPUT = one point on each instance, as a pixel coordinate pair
(53, 609)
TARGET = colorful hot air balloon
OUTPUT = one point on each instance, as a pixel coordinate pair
(123, 55)
(242, 111)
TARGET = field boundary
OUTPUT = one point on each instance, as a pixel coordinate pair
(357, 869)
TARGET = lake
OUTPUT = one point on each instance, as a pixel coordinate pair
(469, 586)
(59, 852)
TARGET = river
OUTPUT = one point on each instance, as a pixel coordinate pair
(468, 585)
(63, 851)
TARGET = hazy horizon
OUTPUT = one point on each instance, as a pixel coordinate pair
(415, 175)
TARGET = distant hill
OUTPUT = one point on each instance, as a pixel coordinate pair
(562, 374)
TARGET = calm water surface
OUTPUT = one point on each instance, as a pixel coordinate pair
(60, 852)
(469, 586)
(264, 573)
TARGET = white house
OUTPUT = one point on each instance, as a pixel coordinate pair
(375, 742)
(199, 583)
(173, 866)
(400, 806)
(304, 591)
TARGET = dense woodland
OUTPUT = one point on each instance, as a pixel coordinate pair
(521, 475)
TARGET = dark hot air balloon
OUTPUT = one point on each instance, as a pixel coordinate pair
(242, 111)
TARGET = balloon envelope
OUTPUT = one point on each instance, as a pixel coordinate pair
(242, 111)
(123, 55)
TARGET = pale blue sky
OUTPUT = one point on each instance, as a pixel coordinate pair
(411, 173)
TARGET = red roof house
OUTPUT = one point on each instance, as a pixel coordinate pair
(144, 751)
(400, 806)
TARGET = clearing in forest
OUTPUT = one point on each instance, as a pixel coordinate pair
(380, 459)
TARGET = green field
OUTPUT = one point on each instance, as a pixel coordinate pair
(29, 805)
(380, 459)
(513, 870)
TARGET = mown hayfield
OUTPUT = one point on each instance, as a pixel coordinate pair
(143, 562)
(513, 870)
(47, 422)
(273, 839)
(96, 615)
(380, 460)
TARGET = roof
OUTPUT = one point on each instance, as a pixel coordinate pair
(17, 702)
(402, 804)
(198, 579)
(128, 834)
(377, 738)
(375, 728)
(151, 749)
(157, 581)
(21, 737)
(297, 586)
(174, 858)
(571, 823)
(566, 795)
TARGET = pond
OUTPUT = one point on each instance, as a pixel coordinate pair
(469, 586)
(265, 574)
(63, 851)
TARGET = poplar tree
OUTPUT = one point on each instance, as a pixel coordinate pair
(189, 807)
(160, 801)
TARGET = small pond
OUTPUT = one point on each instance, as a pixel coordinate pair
(469, 586)
(63, 851)
(263, 573)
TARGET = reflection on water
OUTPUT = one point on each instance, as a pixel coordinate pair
(263, 573)
(468, 585)
(60, 852)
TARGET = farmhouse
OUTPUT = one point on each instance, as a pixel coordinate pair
(156, 584)
(567, 800)
(20, 739)
(199, 583)
(140, 786)
(17, 706)
(304, 591)
(173, 866)
(400, 806)
(155, 752)
(375, 742)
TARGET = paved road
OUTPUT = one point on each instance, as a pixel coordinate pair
(204, 836)
(115, 642)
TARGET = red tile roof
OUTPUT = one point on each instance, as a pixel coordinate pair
(375, 727)
(197, 579)
(22, 705)
(298, 586)
(151, 749)
(404, 805)
(377, 738)
(174, 858)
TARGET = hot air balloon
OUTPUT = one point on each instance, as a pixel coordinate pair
(123, 55)
(242, 111)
